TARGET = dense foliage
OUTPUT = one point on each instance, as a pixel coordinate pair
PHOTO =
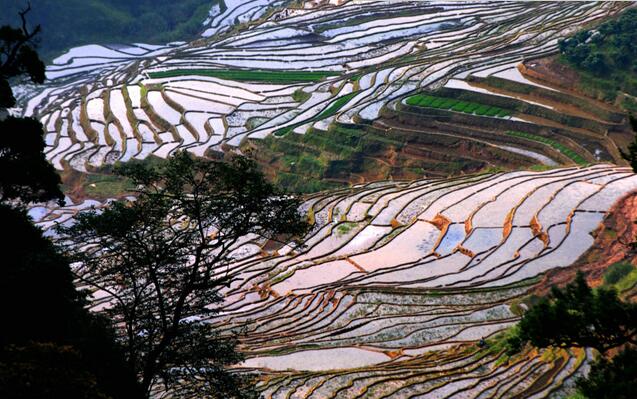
(18, 57)
(111, 21)
(25, 174)
(612, 379)
(164, 257)
(48, 323)
(24, 171)
(608, 53)
(50, 345)
(631, 155)
(578, 316)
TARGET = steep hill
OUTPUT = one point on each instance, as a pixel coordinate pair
(338, 92)
(74, 23)
(398, 282)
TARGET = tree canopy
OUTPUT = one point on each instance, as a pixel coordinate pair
(607, 55)
(579, 316)
(612, 45)
(612, 379)
(163, 259)
(50, 345)
(18, 57)
(25, 173)
(631, 155)
(47, 322)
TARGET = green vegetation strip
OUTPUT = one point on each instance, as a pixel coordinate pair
(247, 75)
(331, 110)
(420, 100)
(558, 146)
(621, 276)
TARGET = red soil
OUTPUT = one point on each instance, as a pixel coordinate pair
(611, 245)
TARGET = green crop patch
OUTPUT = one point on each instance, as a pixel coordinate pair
(575, 157)
(331, 110)
(452, 104)
(248, 75)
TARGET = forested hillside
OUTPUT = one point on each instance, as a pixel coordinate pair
(111, 21)
(605, 58)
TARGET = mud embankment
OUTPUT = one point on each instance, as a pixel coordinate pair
(612, 244)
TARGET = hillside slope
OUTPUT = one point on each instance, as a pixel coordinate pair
(109, 21)
(352, 92)
(398, 281)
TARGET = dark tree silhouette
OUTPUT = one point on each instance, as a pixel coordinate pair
(164, 257)
(24, 172)
(616, 379)
(577, 316)
(37, 295)
(45, 370)
(631, 155)
(50, 345)
(18, 57)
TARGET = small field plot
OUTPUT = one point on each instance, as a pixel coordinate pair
(360, 301)
(451, 104)
(274, 76)
(578, 159)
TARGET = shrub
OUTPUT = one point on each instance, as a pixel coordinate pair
(616, 272)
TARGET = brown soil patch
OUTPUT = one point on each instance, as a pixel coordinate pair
(73, 182)
(508, 224)
(440, 222)
(536, 227)
(610, 246)
(556, 105)
(550, 72)
(356, 265)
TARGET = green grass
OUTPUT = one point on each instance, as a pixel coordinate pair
(344, 228)
(621, 276)
(106, 186)
(540, 168)
(331, 110)
(500, 342)
(420, 100)
(336, 106)
(248, 75)
(575, 157)
(627, 282)
(300, 96)
(616, 272)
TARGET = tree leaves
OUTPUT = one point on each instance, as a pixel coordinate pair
(25, 174)
(164, 257)
(615, 379)
(579, 316)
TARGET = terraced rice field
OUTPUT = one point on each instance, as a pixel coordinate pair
(564, 150)
(398, 281)
(354, 62)
(468, 107)
(247, 75)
